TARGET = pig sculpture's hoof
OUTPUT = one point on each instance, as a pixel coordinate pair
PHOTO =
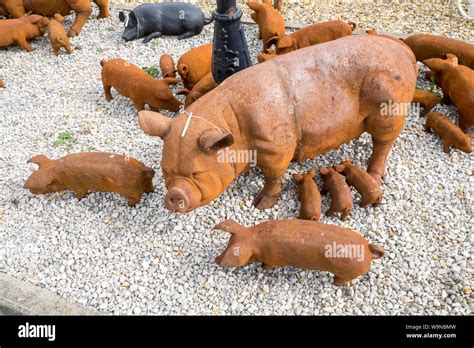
(72, 33)
(263, 201)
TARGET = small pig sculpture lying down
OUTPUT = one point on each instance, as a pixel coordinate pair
(20, 31)
(451, 134)
(311, 35)
(2, 85)
(91, 171)
(300, 243)
(457, 82)
(132, 82)
(57, 35)
(309, 196)
(152, 21)
(363, 182)
(311, 104)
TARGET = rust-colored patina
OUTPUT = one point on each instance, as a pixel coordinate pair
(320, 97)
(369, 190)
(300, 243)
(457, 82)
(431, 46)
(311, 35)
(91, 171)
(194, 65)
(132, 82)
(340, 192)
(309, 196)
(167, 66)
(450, 134)
(82, 8)
(270, 21)
(205, 85)
(57, 35)
(2, 85)
(426, 99)
(19, 31)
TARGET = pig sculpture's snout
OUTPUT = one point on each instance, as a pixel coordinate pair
(182, 198)
(128, 36)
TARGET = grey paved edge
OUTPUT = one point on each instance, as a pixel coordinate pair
(18, 297)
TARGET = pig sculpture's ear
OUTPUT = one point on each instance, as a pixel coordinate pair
(297, 177)
(122, 16)
(284, 42)
(437, 64)
(58, 17)
(254, 5)
(324, 170)
(272, 41)
(154, 123)
(452, 58)
(339, 168)
(312, 172)
(39, 160)
(215, 139)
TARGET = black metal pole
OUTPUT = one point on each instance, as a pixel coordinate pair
(230, 53)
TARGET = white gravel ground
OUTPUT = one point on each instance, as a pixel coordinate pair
(100, 252)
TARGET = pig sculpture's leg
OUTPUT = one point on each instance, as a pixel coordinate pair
(133, 200)
(341, 281)
(21, 41)
(103, 8)
(186, 35)
(380, 152)
(15, 8)
(107, 92)
(148, 187)
(83, 11)
(155, 35)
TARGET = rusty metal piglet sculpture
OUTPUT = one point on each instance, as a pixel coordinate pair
(132, 82)
(300, 243)
(451, 134)
(194, 65)
(57, 34)
(19, 31)
(167, 66)
(309, 196)
(91, 171)
(341, 196)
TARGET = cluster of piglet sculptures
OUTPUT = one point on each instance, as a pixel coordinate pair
(83, 9)
(300, 243)
(91, 171)
(457, 82)
(299, 117)
(134, 83)
(151, 21)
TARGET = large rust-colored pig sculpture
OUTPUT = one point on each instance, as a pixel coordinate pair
(83, 9)
(457, 82)
(132, 82)
(450, 134)
(300, 243)
(291, 108)
(18, 31)
(91, 171)
(194, 65)
(311, 35)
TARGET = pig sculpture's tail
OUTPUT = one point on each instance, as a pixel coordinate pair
(230, 226)
(377, 250)
(208, 20)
